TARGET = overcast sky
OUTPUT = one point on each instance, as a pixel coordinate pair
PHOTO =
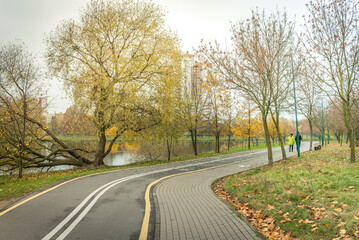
(193, 20)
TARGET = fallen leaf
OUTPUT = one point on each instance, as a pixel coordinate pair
(314, 229)
(270, 207)
(338, 210)
(341, 224)
(342, 232)
(308, 221)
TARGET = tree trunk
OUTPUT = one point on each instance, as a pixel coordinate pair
(100, 151)
(352, 146)
(229, 139)
(311, 134)
(194, 141)
(276, 123)
(168, 150)
(249, 142)
(20, 166)
(337, 136)
(268, 141)
(284, 156)
(216, 147)
(347, 117)
(23, 136)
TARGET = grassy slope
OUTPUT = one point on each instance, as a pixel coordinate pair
(315, 196)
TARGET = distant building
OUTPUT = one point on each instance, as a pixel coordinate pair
(188, 63)
(195, 73)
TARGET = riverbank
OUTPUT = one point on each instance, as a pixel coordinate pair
(12, 188)
(311, 197)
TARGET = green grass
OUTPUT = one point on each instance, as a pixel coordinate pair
(11, 186)
(319, 191)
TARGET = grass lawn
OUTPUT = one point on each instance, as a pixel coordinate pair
(13, 187)
(315, 196)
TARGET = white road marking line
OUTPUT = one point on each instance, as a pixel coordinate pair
(108, 186)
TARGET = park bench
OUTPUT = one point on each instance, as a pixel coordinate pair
(317, 147)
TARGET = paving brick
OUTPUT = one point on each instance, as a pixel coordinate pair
(188, 209)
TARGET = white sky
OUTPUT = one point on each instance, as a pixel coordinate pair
(193, 20)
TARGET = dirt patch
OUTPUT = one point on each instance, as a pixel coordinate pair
(7, 202)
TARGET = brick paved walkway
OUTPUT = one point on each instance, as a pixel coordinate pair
(188, 209)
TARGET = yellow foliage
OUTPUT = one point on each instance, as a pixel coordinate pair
(248, 123)
(111, 131)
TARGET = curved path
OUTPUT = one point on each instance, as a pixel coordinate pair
(112, 205)
(187, 208)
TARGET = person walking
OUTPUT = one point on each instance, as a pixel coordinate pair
(291, 142)
(298, 139)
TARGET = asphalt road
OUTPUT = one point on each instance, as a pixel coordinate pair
(104, 206)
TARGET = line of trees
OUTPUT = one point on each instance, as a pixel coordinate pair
(125, 72)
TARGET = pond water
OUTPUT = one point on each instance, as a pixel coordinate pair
(127, 153)
(122, 154)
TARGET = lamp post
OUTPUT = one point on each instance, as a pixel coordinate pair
(296, 120)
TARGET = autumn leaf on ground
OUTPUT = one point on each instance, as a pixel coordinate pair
(308, 221)
(341, 224)
(270, 207)
(314, 229)
(342, 232)
(338, 210)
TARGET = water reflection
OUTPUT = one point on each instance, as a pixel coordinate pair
(122, 154)
(127, 153)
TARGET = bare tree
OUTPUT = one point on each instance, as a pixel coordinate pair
(194, 105)
(309, 97)
(262, 49)
(332, 42)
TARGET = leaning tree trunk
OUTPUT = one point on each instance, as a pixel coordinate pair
(284, 156)
(268, 141)
(276, 123)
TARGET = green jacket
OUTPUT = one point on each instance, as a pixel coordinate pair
(291, 140)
